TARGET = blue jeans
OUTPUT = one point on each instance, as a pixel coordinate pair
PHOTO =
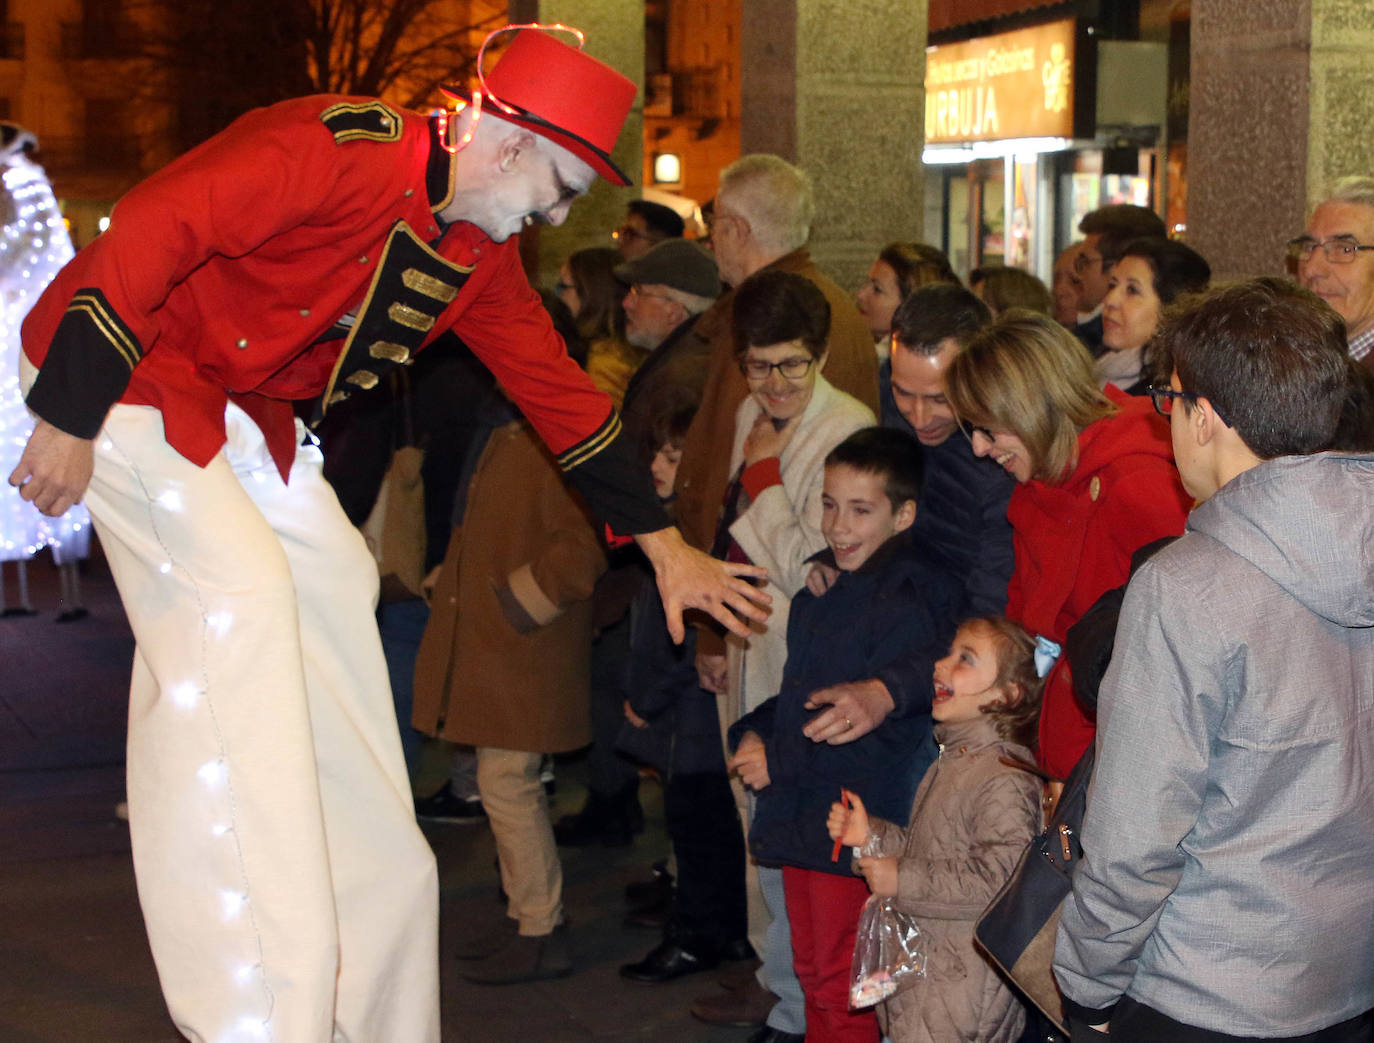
(402, 624)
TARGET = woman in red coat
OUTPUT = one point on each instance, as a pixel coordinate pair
(1096, 481)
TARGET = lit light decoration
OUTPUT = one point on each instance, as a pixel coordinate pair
(483, 91)
(231, 903)
(185, 695)
(213, 773)
(34, 245)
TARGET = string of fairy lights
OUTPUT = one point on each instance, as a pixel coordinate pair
(33, 246)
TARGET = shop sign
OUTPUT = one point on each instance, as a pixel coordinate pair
(1013, 85)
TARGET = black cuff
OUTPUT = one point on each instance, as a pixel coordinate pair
(520, 620)
(908, 683)
(87, 368)
(603, 469)
(1087, 1015)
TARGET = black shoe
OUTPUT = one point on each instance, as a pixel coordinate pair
(668, 962)
(447, 806)
(772, 1035)
(71, 615)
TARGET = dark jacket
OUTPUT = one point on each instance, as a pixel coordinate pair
(963, 515)
(683, 737)
(898, 602)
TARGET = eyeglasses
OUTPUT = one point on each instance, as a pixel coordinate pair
(1082, 262)
(1163, 399)
(969, 430)
(1340, 249)
(792, 369)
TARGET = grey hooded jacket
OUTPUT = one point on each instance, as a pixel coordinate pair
(1228, 872)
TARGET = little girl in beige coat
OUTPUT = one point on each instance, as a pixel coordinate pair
(971, 820)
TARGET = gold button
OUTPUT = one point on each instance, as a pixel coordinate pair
(409, 192)
(1095, 488)
(305, 313)
(242, 343)
(362, 259)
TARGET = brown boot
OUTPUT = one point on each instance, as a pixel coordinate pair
(744, 1006)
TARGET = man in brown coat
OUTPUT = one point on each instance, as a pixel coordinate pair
(503, 666)
(763, 213)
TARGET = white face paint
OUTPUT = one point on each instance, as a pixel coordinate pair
(536, 183)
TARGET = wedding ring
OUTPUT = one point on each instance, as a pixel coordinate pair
(848, 724)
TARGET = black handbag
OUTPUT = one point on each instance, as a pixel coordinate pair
(1017, 930)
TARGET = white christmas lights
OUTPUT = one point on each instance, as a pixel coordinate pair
(29, 210)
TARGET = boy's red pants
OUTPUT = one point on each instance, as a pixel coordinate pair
(824, 911)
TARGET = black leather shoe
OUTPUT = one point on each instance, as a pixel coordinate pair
(668, 962)
(772, 1035)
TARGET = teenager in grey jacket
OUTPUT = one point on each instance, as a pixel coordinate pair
(1227, 886)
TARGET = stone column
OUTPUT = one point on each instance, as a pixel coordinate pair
(1282, 100)
(615, 35)
(838, 89)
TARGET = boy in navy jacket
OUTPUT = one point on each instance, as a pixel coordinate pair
(889, 601)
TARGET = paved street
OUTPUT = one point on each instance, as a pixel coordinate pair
(74, 963)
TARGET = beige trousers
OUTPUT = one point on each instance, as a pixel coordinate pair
(287, 892)
(518, 811)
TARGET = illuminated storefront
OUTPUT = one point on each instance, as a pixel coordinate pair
(1028, 130)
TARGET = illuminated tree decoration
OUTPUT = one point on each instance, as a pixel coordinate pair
(33, 246)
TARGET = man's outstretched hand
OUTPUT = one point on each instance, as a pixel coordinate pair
(688, 578)
(55, 469)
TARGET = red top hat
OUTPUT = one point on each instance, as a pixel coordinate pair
(560, 93)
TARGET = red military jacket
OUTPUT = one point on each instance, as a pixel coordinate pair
(1074, 542)
(226, 274)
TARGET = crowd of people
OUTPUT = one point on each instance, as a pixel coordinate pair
(897, 508)
(928, 561)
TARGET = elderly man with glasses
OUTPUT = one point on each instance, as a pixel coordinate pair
(1335, 260)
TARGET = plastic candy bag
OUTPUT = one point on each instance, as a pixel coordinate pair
(889, 953)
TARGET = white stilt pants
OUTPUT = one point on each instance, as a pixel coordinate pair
(287, 891)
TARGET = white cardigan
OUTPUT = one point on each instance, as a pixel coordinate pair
(781, 529)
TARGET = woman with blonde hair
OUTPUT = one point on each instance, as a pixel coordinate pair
(1096, 481)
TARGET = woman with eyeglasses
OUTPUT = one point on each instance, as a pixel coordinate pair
(588, 286)
(1096, 481)
(1151, 274)
(792, 418)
